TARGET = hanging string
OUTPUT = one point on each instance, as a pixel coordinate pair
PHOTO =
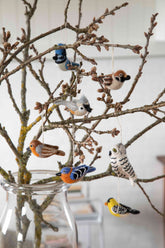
(118, 179)
(118, 192)
(42, 127)
(119, 122)
(112, 56)
(112, 59)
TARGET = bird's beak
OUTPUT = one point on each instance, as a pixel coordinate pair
(106, 204)
(55, 57)
(58, 174)
(28, 149)
(127, 77)
(87, 107)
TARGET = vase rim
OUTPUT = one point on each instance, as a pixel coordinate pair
(34, 188)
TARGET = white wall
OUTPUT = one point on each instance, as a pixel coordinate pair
(145, 230)
(127, 26)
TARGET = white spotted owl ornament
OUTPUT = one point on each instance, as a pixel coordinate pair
(120, 163)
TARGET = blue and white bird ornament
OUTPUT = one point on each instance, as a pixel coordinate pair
(63, 62)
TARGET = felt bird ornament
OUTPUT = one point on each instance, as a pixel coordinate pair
(74, 174)
(63, 62)
(118, 209)
(120, 164)
(77, 107)
(44, 150)
(112, 81)
(115, 81)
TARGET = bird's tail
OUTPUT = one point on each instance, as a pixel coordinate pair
(133, 180)
(60, 102)
(74, 64)
(60, 153)
(134, 211)
(67, 104)
(90, 169)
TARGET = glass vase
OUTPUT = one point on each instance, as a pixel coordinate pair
(37, 215)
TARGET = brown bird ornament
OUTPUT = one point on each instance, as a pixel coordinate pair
(44, 150)
(112, 81)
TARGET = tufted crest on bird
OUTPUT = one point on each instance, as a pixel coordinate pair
(120, 163)
(118, 209)
(74, 174)
(77, 107)
(62, 61)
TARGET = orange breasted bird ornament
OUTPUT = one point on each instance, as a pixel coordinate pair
(77, 107)
(74, 174)
(44, 150)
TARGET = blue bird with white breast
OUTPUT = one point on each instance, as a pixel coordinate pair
(63, 62)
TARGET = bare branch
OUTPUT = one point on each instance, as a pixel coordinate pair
(12, 98)
(4, 134)
(106, 116)
(143, 56)
(148, 198)
(66, 12)
(159, 96)
(144, 131)
(151, 179)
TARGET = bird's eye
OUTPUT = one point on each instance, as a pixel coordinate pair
(81, 108)
(31, 145)
(121, 75)
(114, 150)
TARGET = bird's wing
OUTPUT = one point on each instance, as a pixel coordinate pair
(39, 149)
(78, 172)
(119, 209)
(50, 146)
(108, 80)
(127, 209)
(48, 150)
(71, 105)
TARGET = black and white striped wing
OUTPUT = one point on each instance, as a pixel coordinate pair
(129, 170)
(79, 172)
(125, 168)
(117, 166)
(118, 209)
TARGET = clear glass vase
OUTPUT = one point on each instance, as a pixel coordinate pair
(37, 215)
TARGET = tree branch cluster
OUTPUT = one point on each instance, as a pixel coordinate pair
(86, 36)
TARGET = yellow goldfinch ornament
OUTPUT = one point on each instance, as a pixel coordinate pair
(118, 209)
